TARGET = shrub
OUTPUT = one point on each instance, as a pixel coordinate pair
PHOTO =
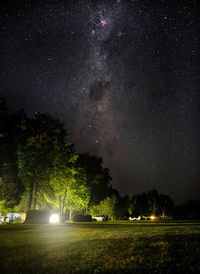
(37, 217)
(82, 218)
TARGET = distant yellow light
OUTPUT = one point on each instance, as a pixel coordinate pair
(54, 218)
(152, 218)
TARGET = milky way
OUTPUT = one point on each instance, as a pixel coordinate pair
(97, 119)
(122, 75)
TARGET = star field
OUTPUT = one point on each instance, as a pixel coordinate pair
(122, 75)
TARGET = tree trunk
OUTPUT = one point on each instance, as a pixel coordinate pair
(30, 198)
(64, 198)
(70, 214)
(60, 204)
(35, 198)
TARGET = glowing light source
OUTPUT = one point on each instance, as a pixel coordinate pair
(103, 22)
(54, 218)
(152, 218)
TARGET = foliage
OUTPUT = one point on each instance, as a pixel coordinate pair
(140, 205)
(42, 150)
(63, 175)
(152, 202)
(11, 126)
(94, 210)
(9, 192)
(38, 164)
(107, 207)
(123, 207)
(166, 205)
(97, 178)
(78, 193)
(2, 207)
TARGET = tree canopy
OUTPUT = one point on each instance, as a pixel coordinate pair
(151, 202)
(40, 169)
(97, 178)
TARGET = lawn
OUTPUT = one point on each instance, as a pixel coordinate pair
(120, 247)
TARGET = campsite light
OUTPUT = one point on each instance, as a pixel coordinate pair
(152, 218)
(54, 218)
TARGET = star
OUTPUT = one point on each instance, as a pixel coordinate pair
(120, 33)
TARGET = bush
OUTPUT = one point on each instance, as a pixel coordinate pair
(37, 217)
(82, 218)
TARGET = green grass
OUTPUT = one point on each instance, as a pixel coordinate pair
(120, 247)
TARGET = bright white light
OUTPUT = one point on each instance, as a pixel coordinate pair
(152, 218)
(54, 218)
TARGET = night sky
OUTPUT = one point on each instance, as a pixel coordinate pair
(122, 75)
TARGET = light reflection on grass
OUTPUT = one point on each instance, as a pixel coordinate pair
(142, 247)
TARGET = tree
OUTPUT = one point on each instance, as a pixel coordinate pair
(11, 127)
(64, 174)
(166, 205)
(97, 178)
(94, 210)
(78, 193)
(123, 207)
(139, 205)
(39, 166)
(154, 202)
(37, 152)
(107, 207)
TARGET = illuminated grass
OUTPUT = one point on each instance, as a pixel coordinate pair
(142, 247)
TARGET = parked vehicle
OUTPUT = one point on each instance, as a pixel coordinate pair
(98, 218)
(15, 217)
(135, 218)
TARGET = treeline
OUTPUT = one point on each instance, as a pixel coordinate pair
(40, 169)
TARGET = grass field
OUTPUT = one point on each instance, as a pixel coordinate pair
(120, 247)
